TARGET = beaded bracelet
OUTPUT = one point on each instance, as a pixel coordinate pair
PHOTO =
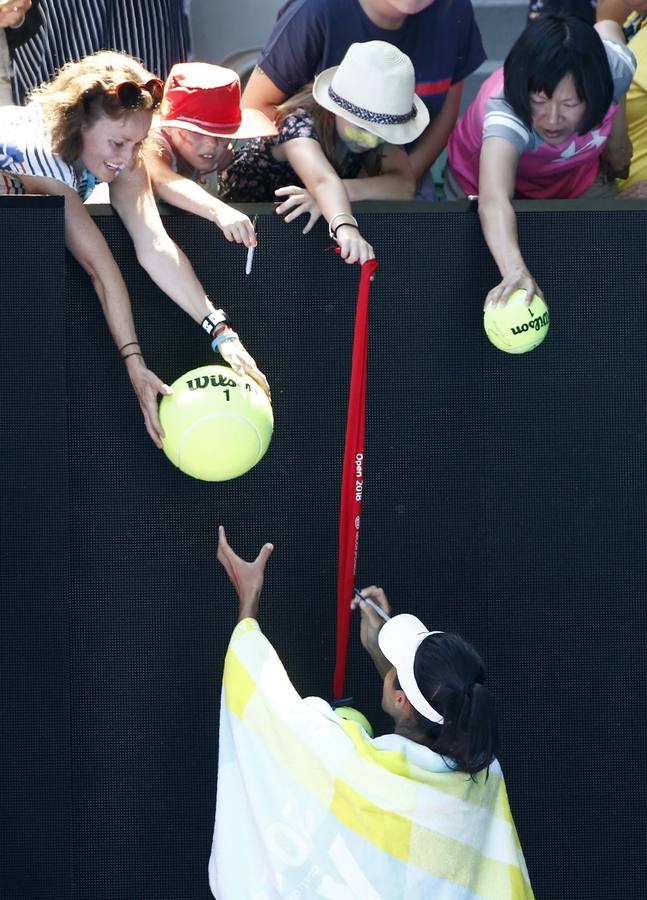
(221, 338)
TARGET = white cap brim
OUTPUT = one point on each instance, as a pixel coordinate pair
(399, 639)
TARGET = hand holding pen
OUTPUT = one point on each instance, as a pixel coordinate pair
(375, 610)
(250, 252)
(363, 597)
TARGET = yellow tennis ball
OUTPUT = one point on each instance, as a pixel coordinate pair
(217, 423)
(517, 327)
(354, 715)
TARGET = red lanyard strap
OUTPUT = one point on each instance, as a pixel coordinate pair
(352, 476)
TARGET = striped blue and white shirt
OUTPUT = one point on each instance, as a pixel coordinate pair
(154, 31)
(26, 149)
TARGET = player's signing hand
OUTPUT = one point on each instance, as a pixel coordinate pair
(371, 621)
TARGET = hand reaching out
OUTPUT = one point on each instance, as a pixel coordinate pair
(298, 201)
(246, 577)
(520, 279)
(354, 248)
(235, 225)
(147, 386)
(242, 363)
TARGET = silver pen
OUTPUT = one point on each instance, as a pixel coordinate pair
(250, 253)
(372, 604)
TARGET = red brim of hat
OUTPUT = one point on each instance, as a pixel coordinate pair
(253, 124)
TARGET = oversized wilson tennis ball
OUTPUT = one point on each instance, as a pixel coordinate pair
(218, 425)
(348, 712)
(516, 327)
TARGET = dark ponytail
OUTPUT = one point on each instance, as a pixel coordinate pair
(451, 676)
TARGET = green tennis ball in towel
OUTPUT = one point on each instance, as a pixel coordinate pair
(354, 715)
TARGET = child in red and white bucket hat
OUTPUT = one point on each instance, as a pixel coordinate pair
(190, 141)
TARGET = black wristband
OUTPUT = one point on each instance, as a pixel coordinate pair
(134, 353)
(341, 225)
(211, 322)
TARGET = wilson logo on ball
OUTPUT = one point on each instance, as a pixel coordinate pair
(537, 323)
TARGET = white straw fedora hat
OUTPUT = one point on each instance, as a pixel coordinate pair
(374, 87)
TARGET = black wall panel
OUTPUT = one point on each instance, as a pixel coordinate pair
(504, 498)
(35, 776)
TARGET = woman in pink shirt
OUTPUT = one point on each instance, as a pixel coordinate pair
(544, 126)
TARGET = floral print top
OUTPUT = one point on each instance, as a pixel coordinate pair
(254, 174)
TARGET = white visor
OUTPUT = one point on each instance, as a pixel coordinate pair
(399, 639)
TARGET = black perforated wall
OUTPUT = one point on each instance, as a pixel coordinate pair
(505, 498)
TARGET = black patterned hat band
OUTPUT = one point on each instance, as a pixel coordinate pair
(374, 87)
(368, 115)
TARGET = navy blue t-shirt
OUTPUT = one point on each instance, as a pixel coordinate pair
(443, 42)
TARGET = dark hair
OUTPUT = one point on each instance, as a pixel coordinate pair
(451, 676)
(549, 48)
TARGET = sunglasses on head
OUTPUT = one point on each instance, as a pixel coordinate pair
(129, 93)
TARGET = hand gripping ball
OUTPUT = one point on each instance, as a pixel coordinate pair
(218, 424)
(517, 327)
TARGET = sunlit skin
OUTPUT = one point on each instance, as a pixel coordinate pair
(201, 152)
(557, 118)
(391, 14)
(358, 140)
(388, 693)
(111, 145)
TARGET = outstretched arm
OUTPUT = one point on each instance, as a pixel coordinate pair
(88, 246)
(246, 577)
(132, 196)
(309, 162)
(395, 183)
(186, 194)
(497, 176)
(370, 625)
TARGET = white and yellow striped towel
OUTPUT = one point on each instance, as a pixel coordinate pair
(309, 806)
